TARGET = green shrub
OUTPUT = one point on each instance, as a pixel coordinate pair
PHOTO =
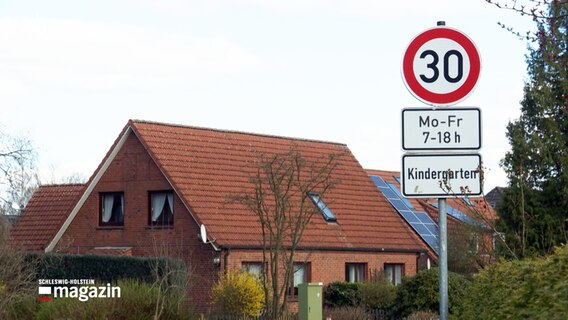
(22, 307)
(347, 313)
(339, 294)
(238, 293)
(421, 292)
(377, 295)
(423, 315)
(17, 278)
(138, 300)
(527, 289)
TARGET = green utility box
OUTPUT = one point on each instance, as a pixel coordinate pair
(310, 301)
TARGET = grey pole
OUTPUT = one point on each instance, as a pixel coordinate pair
(443, 249)
(443, 259)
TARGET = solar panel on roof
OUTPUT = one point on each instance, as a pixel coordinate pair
(432, 241)
(424, 217)
(421, 229)
(409, 216)
(397, 191)
(461, 216)
(389, 193)
(421, 222)
(378, 181)
(398, 204)
(433, 228)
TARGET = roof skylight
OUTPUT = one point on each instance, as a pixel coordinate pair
(327, 214)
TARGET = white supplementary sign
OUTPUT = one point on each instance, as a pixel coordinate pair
(441, 175)
(441, 66)
(441, 129)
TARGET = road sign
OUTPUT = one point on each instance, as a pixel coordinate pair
(441, 66)
(441, 175)
(441, 129)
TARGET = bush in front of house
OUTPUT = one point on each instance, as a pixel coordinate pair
(347, 313)
(238, 293)
(138, 300)
(339, 294)
(377, 295)
(527, 289)
(423, 315)
(421, 292)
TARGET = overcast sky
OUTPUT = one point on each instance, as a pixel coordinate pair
(73, 72)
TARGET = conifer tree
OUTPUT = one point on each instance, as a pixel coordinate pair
(534, 211)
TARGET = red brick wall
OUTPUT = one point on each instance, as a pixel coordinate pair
(135, 173)
(329, 266)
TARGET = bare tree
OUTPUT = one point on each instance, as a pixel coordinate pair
(537, 10)
(18, 175)
(17, 275)
(173, 275)
(280, 198)
(470, 240)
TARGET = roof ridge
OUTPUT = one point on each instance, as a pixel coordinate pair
(235, 132)
(369, 170)
(55, 185)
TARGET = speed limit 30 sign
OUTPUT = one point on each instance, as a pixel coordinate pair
(441, 66)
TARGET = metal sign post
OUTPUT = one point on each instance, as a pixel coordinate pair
(441, 67)
(443, 259)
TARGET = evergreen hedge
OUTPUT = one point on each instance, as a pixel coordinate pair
(108, 268)
(526, 289)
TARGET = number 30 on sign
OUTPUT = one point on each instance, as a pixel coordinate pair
(441, 66)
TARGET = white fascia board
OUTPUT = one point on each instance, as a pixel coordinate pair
(88, 191)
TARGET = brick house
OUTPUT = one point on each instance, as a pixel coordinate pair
(159, 183)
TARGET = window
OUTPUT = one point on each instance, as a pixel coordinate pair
(161, 208)
(112, 209)
(327, 214)
(394, 272)
(254, 268)
(301, 275)
(355, 272)
(498, 240)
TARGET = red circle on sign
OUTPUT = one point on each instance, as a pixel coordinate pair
(441, 98)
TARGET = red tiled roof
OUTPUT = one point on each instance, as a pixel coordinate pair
(44, 214)
(206, 166)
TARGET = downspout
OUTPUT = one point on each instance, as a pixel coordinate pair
(225, 260)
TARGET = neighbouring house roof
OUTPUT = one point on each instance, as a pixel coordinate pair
(472, 210)
(45, 212)
(9, 220)
(495, 196)
(206, 166)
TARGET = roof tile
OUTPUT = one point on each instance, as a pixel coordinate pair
(205, 166)
(44, 214)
